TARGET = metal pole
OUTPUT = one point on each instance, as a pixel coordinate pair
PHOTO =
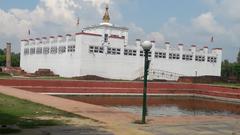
(144, 109)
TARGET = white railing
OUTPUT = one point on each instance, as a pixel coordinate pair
(138, 74)
(156, 74)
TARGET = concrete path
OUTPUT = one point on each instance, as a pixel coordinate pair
(121, 123)
(118, 122)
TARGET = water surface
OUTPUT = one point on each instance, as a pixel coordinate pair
(163, 106)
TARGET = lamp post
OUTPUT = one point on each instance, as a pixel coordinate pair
(146, 45)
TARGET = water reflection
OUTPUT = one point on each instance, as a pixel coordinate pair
(164, 106)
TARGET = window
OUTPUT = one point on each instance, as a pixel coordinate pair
(53, 50)
(187, 57)
(199, 58)
(61, 49)
(39, 50)
(114, 51)
(105, 37)
(212, 59)
(160, 55)
(45, 50)
(32, 51)
(95, 49)
(174, 56)
(149, 53)
(71, 48)
(130, 52)
(26, 51)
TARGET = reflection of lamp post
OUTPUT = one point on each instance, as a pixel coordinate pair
(146, 45)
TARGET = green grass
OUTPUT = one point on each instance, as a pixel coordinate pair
(2, 74)
(231, 85)
(25, 114)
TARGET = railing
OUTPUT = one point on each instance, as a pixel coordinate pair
(139, 73)
(156, 74)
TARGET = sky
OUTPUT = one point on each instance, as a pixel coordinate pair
(176, 21)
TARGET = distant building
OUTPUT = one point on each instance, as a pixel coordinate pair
(103, 50)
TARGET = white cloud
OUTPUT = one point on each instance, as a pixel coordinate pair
(10, 25)
(206, 22)
(156, 36)
(60, 16)
(98, 4)
(51, 17)
(135, 32)
(228, 9)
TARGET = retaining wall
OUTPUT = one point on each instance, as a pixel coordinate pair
(70, 86)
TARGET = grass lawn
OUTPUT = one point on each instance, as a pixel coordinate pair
(25, 114)
(231, 85)
(4, 74)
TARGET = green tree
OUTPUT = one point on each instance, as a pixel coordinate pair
(226, 69)
(236, 70)
(2, 60)
(15, 60)
(2, 52)
(238, 57)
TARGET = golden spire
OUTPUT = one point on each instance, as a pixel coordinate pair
(106, 17)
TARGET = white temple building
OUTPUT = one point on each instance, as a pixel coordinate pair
(103, 51)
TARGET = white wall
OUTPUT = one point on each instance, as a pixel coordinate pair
(81, 62)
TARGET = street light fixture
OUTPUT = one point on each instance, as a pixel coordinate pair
(146, 45)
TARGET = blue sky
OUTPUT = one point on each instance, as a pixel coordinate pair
(177, 21)
(151, 14)
(22, 4)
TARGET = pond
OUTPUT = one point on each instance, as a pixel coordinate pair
(163, 105)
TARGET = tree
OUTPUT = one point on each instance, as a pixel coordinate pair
(236, 70)
(15, 60)
(2, 52)
(2, 60)
(238, 57)
(226, 69)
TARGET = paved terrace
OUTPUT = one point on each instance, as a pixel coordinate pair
(121, 123)
(115, 120)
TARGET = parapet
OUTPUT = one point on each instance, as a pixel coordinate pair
(46, 40)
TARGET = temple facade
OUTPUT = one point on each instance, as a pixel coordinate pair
(103, 50)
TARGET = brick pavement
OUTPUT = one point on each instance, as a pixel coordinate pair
(121, 123)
